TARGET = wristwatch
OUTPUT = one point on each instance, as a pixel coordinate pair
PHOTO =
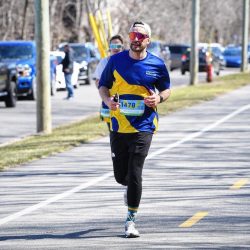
(161, 98)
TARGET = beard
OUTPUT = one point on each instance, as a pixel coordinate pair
(137, 47)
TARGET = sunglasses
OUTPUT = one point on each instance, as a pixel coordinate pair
(115, 46)
(138, 35)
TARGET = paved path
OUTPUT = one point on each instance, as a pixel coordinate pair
(198, 165)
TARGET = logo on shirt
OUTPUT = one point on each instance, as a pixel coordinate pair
(151, 73)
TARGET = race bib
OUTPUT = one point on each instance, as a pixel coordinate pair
(105, 112)
(132, 107)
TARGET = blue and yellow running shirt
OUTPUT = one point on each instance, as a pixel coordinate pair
(132, 80)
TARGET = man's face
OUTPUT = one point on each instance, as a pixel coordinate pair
(138, 39)
(66, 48)
(116, 46)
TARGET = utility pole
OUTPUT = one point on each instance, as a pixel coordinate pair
(43, 66)
(244, 55)
(194, 62)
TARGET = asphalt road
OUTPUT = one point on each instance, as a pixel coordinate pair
(198, 167)
(19, 122)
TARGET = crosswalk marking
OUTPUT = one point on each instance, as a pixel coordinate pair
(194, 219)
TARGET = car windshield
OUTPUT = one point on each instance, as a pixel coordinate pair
(216, 50)
(202, 52)
(235, 52)
(80, 52)
(59, 59)
(15, 52)
(178, 49)
(153, 47)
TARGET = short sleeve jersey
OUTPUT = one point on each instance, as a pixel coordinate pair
(100, 67)
(104, 112)
(132, 80)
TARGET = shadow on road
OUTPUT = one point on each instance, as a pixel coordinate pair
(75, 235)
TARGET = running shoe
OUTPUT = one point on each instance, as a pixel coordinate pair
(130, 230)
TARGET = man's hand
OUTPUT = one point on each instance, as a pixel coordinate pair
(108, 100)
(152, 100)
(111, 103)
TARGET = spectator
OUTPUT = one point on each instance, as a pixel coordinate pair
(67, 67)
(115, 46)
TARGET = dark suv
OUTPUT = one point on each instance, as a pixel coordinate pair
(177, 50)
(157, 48)
(8, 84)
(87, 59)
(203, 61)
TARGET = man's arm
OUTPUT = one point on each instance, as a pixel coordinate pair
(98, 72)
(97, 82)
(163, 95)
(154, 99)
(108, 100)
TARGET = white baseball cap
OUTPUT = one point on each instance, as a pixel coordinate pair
(143, 25)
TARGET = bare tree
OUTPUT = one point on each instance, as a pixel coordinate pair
(8, 24)
(170, 20)
(24, 17)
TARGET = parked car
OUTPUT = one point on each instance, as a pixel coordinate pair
(8, 87)
(218, 50)
(23, 55)
(95, 50)
(204, 59)
(157, 48)
(177, 50)
(87, 59)
(232, 56)
(53, 64)
(59, 75)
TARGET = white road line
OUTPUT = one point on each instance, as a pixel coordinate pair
(54, 199)
(107, 175)
(197, 134)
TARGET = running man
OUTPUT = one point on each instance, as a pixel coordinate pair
(128, 87)
(115, 46)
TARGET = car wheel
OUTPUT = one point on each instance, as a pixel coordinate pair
(32, 95)
(76, 86)
(90, 80)
(53, 85)
(11, 98)
(218, 70)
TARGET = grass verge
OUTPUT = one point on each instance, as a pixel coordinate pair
(68, 136)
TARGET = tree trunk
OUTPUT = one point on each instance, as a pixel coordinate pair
(24, 17)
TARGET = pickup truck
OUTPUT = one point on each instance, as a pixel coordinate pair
(23, 55)
(8, 87)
